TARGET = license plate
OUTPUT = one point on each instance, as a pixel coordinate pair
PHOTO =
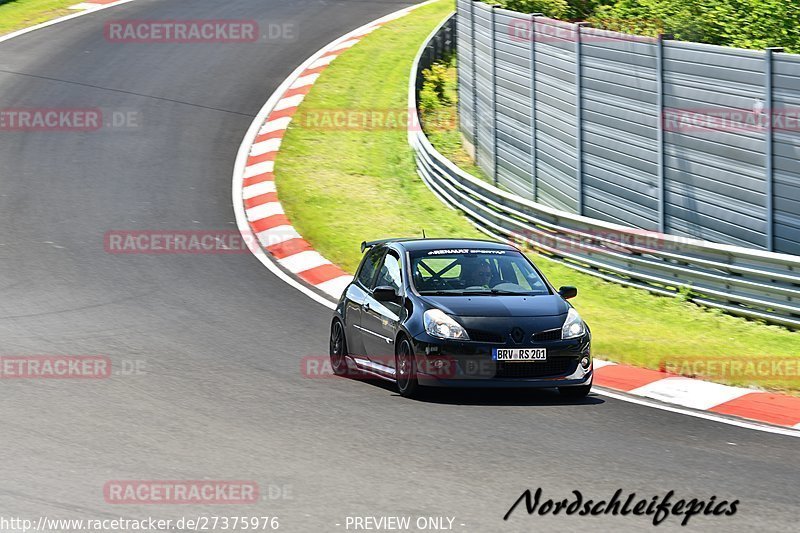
(520, 354)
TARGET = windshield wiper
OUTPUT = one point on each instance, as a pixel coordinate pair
(442, 293)
(487, 292)
(502, 292)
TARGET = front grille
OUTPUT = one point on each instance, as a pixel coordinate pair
(483, 336)
(550, 335)
(557, 366)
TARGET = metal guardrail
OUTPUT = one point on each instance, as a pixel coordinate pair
(741, 281)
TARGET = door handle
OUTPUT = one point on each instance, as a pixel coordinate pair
(366, 306)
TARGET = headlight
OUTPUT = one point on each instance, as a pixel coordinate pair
(573, 326)
(439, 325)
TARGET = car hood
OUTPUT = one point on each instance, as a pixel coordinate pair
(499, 305)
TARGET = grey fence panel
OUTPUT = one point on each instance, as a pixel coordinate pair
(683, 138)
(620, 171)
(714, 86)
(513, 112)
(786, 152)
(556, 101)
(484, 87)
(466, 77)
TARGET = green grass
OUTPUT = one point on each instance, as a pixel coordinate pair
(342, 186)
(18, 14)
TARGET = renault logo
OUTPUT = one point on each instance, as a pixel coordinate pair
(517, 335)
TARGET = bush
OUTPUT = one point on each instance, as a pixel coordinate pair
(428, 100)
(741, 23)
(753, 24)
(436, 81)
(760, 23)
(687, 20)
(551, 8)
(435, 105)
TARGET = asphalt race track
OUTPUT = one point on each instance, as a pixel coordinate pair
(218, 340)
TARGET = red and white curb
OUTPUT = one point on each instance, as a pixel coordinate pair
(275, 242)
(254, 178)
(769, 408)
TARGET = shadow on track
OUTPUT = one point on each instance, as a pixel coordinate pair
(466, 396)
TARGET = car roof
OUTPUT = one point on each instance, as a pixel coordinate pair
(414, 245)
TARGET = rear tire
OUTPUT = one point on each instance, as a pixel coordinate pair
(405, 365)
(338, 349)
(575, 393)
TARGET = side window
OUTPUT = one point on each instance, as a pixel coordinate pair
(368, 267)
(390, 273)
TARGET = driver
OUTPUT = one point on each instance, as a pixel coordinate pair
(478, 273)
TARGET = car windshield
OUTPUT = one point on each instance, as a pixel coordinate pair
(475, 272)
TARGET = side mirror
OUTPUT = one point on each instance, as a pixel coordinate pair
(385, 293)
(568, 292)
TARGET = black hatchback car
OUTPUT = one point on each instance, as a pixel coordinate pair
(458, 313)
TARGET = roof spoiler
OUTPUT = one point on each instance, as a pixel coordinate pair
(369, 244)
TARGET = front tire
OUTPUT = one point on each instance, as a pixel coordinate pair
(405, 365)
(338, 349)
(575, 393)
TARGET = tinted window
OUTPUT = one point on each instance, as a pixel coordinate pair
(368, 267)
(475, 271)
(390, 273)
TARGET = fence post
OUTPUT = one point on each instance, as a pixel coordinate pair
(451, 34)
(662, 199)
(534, 184)
(768, 151)
(494, 93)
(579, 115)
(474, 80)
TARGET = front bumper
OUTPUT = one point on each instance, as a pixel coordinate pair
(443, 363)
